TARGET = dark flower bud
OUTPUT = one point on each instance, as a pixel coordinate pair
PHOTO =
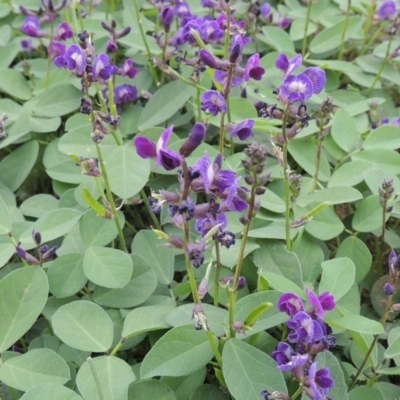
(90, 166)
(186, 208)
(172, 210)
(196, 253)
(154, 205)
(243, 93)
(263, 180)
(43, 249)
(396, 307)
(227, 239)
(195, 139)
(389, 209)
(249, 180)
(200, 318)
(235, 54)
(242, 283)
(246, 165)
(166, 16)
(238, 327)
(124, 32)
(260, 190)
(86, 106)
(260, 169)
(257, 153)
(202, 290)
(243, 220)
(26, 256)
(256, 207)
(388, 289)
(111, 47)
(106, 27)
(37, 237)
(49, 254)
(208, 59)
(83, 39)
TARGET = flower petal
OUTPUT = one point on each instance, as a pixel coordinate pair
(145, 147)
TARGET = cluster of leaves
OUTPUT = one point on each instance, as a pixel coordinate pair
(93, 305)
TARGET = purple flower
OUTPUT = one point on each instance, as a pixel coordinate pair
(243, 130)
(31, 27)
(196, 253)
(388, 289)
(253, 68)
(235, 52)
(222, 78)
(213, 101)
(288, 66)
(204, 225)
(166, 17)
(195, 139)
(27, 45)
(266, 10)
(182, 9)
(317, 77)
(24, 255)
(227, 239)
(287, 358)
(208, 3)
(387, 10)
(56, 49)
(74, 59)
(102, 69)
(296, 88)
(290, 304)
(169, 159)
(125, 94)
(128, 69)
(320, 304)
(63, 32)
(304, 329)
(111, 47)
(283, 22)
(320, 382)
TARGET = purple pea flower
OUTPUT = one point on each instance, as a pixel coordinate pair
(253, 68)
(63, 32)
(111, 47)
(196, 253)
(128, 69)
(27, 45)
(320, 304)
(288, 66)
(222, 78)
(266, 10)
(243, 130)
(236, 50)
(290, 304)
(166, 17)
(102, 69)
(296, 88)
(196, 137)
(125, 94)
(317, 77)
(319, 382)
(204, 225)
(283, 22)
(182, 9)
(387, 10)
(304, 329)
(287, 358)
(145, 148)
(74, 59)
(31, 27)
(56, 49)
(213, 101)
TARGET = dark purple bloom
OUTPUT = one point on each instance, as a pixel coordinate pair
(235, 53)
(204, 225)
(169, 159)
(27, 45)
(128, 69)
(283, 22)
(31, 27)
(290, 304)
(125, 94)
(222, 78)
(209, 3)
(102, 69)
(288, 66)
(196, 253)
(304, 329)
(388, 289)
(253, 68)
(320, 304)
(227, 238)
(74, 59)
(182, 9)
(209, 59)
(63, 32)
(56, 49)
(266, 10)
(243, 130)
(317, 77)
(213, 101)
(319, 382)
(387, 10)
(37, 237)
(287, 358)
(24, 255)
(166, 17)
(111, 47)
(195, 139)
(296, 88)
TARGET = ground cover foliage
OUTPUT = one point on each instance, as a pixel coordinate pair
(199, 200)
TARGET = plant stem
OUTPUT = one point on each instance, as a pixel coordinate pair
(381, 246)
(226, 97)
(286, 178)
(346, 25)
(149, 210)
(198, 92)
(297, 393)
(214, 347)
(304, 46)
(217, 273)
(118, 346)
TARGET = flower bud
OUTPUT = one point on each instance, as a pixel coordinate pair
(260, 190)
(195, 139)
(166, 16)
(235, 54)
(396, 307)
(249, 180)
(37, 237)
(49, 254)
(202, 290)
(124, 32)
(388, 289)
(26, 256)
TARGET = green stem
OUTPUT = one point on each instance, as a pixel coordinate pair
(214, 347)
(174, 73)
(286, 179)
(96, 379)
(110, 197)
(217, 273)
(371, 40)
(318, 163)
(304, 46)
(149, 210)
(118, 346)
(198, 92)
(380, 251)
(346, 25)
(297, 393)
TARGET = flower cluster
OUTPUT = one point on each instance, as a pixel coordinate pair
(387, 10)
(308, 336)
(112, 46)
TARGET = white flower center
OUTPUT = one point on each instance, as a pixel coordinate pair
(297, 87)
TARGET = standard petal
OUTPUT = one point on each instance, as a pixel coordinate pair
(169, 159)
(317, 77)
(145, 147)
(164, 138)
(207, 171)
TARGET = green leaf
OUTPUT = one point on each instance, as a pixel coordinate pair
(333, 195)
(107, 267)
(383, 137)
(386, 160)
(23, 294)
(344, 130)
(338, 276)
(5, 222)
(160, 107)
(66, 276)
(14, 84)
(142, 284)
(365, 392)
(7, 250)
(158, 257)
(325, 225)
(281, 283)
(327, 359)
(145, 319)
(248, 371)
(272, 202)
(277, 38)
(151, 389)
(108, 375)
(83, 325)
(349, 174)
(209, 392)
(394, 343)
(375, 177)
(15, 167)
(230, 256)
(359, 253)
(52, 225)
(33, 368)
(389, 371)
(368, 215)
(185, 386)
(181, 351)
(127, 172)
(57, 101)
(50, 391)
(361, 345)
(357, 323)
(330, 38)
(38, 205)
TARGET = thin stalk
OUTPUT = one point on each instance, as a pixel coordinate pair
(226, 97)
(146, 45)
(118, 346)
(217, 273)
(297, 393)
(304, 46)
(228, 31)
(96, 379)
(183, 79)
(318, 163)
(380, 249)
(370, 18)
(346, 25)
(149, 210)
(286, 179)
(214, 347)
(198, 105)
(371, 40)
(110, 197)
